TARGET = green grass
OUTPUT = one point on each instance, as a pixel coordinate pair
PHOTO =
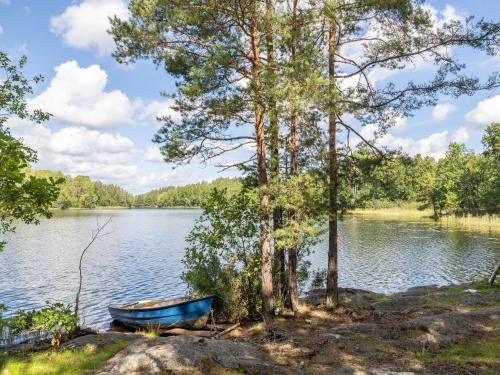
(484, 351)
(486, 223)
(374, 297)
(150, 334)
(484, 287)
(58, 362)
(481, 285)
(399, 213)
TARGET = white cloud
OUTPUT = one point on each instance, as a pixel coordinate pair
(400, 123)
(90, 143)
(156, 109)
(76, 96)
(441, 111)
(153, 154)
(77, 150)
(434, 145)
(1, 30)
(461, 135)
(486, 112)
(447, 15)
(370, 131)
(106, 157)
(86, 25)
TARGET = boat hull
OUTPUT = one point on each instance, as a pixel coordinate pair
(176, 315)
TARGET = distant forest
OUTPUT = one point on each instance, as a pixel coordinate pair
(463, 181)
(185, 196)
(82, 192)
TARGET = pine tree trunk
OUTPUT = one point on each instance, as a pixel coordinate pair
(292, 252)
(332, 295)
(265, 240)
(279, 254)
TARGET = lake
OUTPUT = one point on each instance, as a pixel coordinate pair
(141, 256)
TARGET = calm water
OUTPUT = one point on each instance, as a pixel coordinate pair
(141, 256)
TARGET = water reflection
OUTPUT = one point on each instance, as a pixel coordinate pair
(141, 258)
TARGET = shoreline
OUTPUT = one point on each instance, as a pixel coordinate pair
(124, 208)
(483, 224)
(428, 329)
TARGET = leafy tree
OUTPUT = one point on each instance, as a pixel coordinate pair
(223, 256)
(391, 35)
(22, 197)
(490, 165)
(213, 48)
(278, 68)
(192, 195)
(82, 192)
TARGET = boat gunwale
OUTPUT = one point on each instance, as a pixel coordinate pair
(114, 306)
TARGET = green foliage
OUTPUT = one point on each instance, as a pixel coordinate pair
(186, 196)
(489, 191)
(22, 197)
(476, 352)
(305, 195)
(462, 182)
(222, 256)
(67, 362)
(53, 317)
(318, 279)
(14, 88)
(82, 192)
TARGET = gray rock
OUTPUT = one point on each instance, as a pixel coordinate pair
(444, 329)
(185, 354)
(356, 328)
(353, 371)
(400, 304)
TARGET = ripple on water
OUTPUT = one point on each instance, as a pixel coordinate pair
(141, 258)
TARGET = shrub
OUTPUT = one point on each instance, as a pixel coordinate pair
(319, 279)
(222, 256)
(54, 317)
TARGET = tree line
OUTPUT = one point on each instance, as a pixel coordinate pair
(82, 192)
(191, 195)
(291, 79)
(461, 182)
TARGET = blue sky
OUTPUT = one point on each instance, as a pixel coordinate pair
(104, 113)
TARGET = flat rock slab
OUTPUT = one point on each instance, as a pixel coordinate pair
(98, 341)
(186, 354)
(353, 371)
(400, 304)
(357, 328)
(443, 329)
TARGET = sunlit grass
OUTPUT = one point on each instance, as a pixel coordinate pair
(394, 213)
(59, 362)
(485, 223)
(150, 334)
(484, 352)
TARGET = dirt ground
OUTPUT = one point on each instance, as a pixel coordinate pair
(426, 330)
(368, 333)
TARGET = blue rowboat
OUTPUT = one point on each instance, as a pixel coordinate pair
(175, 312)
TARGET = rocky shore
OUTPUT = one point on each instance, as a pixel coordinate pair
(425, 330)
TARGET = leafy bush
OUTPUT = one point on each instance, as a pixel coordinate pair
(319, 279)
(53, 317)
(222, 256)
